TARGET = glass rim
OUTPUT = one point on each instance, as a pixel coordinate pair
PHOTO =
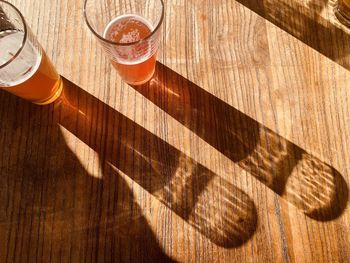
(24, 36)
(117, 43)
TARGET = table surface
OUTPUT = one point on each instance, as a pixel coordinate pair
(236, 151)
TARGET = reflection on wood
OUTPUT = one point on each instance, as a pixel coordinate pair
(316, 188)
(216, 208)
(266, 155)
(302, 179)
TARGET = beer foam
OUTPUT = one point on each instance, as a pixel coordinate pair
(132, 36)
(22, 67)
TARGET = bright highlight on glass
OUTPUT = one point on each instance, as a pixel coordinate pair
(129, 32)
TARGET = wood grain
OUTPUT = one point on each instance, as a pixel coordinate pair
(236, 151)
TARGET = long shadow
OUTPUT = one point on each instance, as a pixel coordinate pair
(52, 208)
(307, 25)
(302, 179)
(214, 207)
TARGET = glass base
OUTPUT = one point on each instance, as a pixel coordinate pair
(54, 97)
(143, 81)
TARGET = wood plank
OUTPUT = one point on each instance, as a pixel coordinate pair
(236, 151)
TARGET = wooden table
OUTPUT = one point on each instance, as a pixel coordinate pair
(237, 151)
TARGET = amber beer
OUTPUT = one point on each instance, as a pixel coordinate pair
(129, 32)
(343, 11)
(135, 62)
(28, 74)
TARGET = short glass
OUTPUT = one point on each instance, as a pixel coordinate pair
(342, 11)
(129, 32)
(25, 70)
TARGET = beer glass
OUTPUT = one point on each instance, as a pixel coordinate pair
(129, 32)
(342, 11)
(25, 70)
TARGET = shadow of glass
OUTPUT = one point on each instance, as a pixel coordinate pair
(307, 25)
(217, 209)
(302, 179)
(51, 207)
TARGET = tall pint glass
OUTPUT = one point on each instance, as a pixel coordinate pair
(25, 70)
